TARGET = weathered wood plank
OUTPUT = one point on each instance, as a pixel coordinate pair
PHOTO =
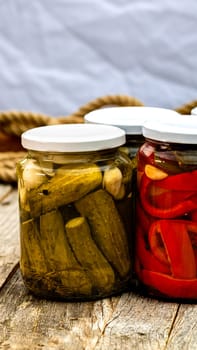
(4, 191)
(9, 232)
(138, 323)
(126, 322)
(184, 331)
(48, 324)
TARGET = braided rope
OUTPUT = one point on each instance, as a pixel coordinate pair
(8, 165)
(108, 100)
(14, 123)
(186, 108)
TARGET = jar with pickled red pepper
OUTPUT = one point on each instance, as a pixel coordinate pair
(166, 222)
(74, 186)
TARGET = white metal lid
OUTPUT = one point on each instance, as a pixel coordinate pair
(129, 118)
(73, 138)
(194, 111)
(182, 129)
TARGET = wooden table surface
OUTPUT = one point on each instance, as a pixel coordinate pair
(125, 322)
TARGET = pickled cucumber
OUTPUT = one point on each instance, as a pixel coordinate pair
(89, 256)
(67, 186)
(107, 229)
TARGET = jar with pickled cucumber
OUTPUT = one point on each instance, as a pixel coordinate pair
(166, 223)
(75, 212)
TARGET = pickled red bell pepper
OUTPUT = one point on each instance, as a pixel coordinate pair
(146, 258)
(169, 286)
(144, 220)
(194, 215)
(186, 194)
(180, 182)
(170, 243)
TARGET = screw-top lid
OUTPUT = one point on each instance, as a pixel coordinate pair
(182, 129)
(129, 118)
(73, 138)
(194, 111)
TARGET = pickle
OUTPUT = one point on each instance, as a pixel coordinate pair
(67, 284)
(68, 185)
(47, 261)
(107, 229)
(89, 256)
(59, 256)
(32, 257)
(54, 242)
(45, 255)
(126, 167)
(73, 283)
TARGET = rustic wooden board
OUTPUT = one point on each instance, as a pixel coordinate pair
(184, 332)
(139, 323)
(9, 232)
(4, 191)
(126, 322)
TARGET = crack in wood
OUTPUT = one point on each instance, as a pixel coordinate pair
(172, 326)
(9, 276)
(5, 191)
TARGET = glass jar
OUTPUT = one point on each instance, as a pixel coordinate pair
(166, 223)
(74, 187)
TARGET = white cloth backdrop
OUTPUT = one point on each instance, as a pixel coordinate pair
(58, 55)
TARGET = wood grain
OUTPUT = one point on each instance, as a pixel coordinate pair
(184, 333)
(9, 232)
(139, 323)
(126, 322)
